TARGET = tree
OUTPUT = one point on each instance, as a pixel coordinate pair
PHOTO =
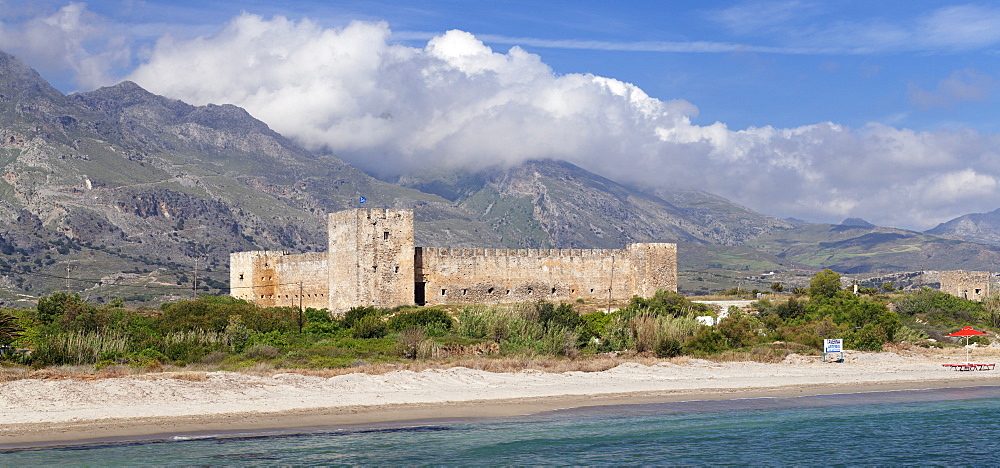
(824, 284)
(69, 311)
(9, 330)
(991, 310)
(777, 287)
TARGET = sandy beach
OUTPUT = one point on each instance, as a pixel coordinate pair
(43, 412)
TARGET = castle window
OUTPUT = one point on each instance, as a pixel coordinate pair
(385, 235)
(529, 290)
(592, 290)
(444, 292)
(465, 291)
(489, 291)
(508, 292)
(241, 276)
(374, 267)
(553, 290)
(396, 269)
(979, 291)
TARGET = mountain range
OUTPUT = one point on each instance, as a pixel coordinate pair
(119, 192)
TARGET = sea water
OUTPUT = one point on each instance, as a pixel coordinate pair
(957, 426)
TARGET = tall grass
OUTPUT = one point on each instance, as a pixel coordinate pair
(80, 347)
(650, 331)
(197, 337)
(517, 330)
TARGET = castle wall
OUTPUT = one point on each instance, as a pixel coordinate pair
(371, 256)
(372, 261)
(654, 267)
(483, 276)
(972, 285)
(271, 279)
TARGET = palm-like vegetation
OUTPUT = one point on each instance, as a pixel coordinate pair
(9, 330)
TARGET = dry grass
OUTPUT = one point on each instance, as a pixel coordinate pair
(198, 372)
(190, 376)
(488, 364)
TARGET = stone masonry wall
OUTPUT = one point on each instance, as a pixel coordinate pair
(654, 267)
(371, 258)
(972, 285)
(271, 278)
(372, 261)
(485, 276)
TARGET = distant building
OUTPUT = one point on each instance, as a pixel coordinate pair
(971, 285)
(372, 261)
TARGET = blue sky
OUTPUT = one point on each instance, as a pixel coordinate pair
(818, 110)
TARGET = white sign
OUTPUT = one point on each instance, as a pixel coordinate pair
(833, 345)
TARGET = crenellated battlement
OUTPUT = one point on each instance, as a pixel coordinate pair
(372, 260)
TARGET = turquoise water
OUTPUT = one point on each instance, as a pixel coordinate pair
(925, 427)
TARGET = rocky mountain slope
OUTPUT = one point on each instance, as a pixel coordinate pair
(556, 204)
(122, 193)
(976, 227)
(119, 192)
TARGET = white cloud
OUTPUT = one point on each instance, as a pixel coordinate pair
(71, 38)
(390, 108)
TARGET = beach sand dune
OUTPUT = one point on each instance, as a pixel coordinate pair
(35, 412)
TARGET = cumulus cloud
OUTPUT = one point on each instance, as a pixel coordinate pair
(71, 39)
(455, 102)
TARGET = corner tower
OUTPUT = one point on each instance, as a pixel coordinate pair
(654, 267)
(370, 259)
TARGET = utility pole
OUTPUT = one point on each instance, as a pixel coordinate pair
(68, 269)
(611, 284)
(300, 307)
(194, 284)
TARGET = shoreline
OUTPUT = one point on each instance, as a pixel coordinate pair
(120, 429)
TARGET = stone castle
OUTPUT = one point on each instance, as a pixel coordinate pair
(971, 285)
(372, 261)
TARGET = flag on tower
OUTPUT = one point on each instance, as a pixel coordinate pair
(363, 199)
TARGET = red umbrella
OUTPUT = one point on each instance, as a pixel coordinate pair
(967, 332)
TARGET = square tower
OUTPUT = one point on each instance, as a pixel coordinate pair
(654, 267)
(371, 255)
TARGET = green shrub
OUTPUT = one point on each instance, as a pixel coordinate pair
(425, 318)
(663, 302)
(261, 351)
(667, 347)
(320, 322)
(208, 313)
(594, 325)
(148, 355)
(317, 315)
(871, 337)
(237, 333)
(939, 308)
(356, 314)
(980, 340)
(562, 315)
(909, 335)
(824, 285)
(705, 341)
(739, 329)
(369, 326)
